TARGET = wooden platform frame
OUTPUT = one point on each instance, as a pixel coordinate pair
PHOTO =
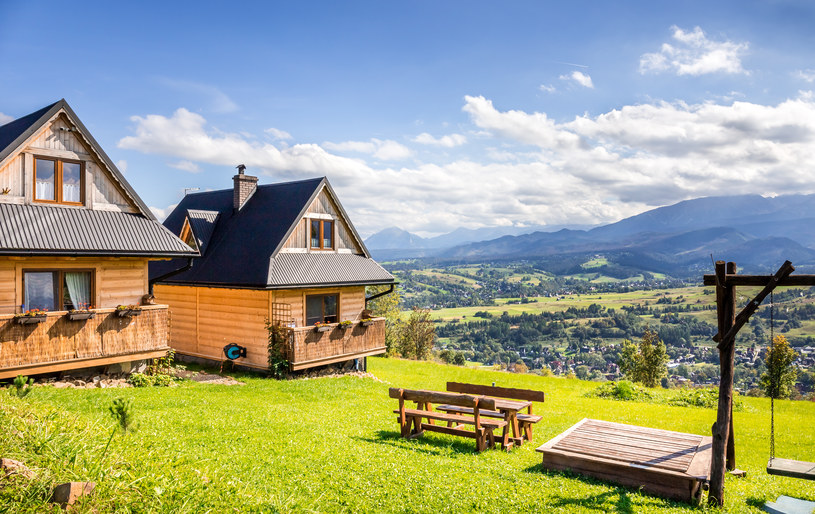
(669, 464)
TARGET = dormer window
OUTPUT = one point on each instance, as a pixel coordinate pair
(187, 236)
(58, 180)
(322, 234)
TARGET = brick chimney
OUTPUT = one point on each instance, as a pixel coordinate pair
(244, 187)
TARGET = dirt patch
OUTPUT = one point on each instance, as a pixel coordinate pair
(205, 378)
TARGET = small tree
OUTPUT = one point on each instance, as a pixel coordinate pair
(417, 335)
(645, 363)
(779, 379)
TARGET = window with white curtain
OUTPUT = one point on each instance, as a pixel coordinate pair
(57, 180)
(56, 290)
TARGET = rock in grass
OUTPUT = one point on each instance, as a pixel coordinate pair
(67, 493)
(10, 467)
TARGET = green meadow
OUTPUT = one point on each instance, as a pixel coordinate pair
(333, 445)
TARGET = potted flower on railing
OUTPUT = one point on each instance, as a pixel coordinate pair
(128, 311)
(345, 325)
(366, 322)
(82, 312)
(31, 316)
(321, 326)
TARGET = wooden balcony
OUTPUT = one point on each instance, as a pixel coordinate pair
(59, 344)
(310, 348)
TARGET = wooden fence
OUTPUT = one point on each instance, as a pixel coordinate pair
(58, 343)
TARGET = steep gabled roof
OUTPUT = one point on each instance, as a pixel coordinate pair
(202, 224)
(15, 133)
(244, 247)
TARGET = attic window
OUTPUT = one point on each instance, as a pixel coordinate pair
(58, 180)
(322, 234)
(187, 236)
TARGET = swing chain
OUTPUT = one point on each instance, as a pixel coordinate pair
(772, 380)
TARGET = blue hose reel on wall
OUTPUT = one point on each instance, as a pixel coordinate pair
(234, 350)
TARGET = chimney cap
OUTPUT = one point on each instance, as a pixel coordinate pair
(241, 168)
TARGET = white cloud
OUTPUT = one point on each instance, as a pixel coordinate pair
(806, 75)
(448, 141)
(5, 118)
(579, 77)
(162, 214)
(122, 165)
(384, 150)
(694, 54)
(530, 168)
(185, 166)
(548, 88)
(278, 134)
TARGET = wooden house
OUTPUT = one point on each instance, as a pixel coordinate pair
(286, 253)
(75, 241)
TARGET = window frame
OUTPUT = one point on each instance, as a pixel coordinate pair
(58, 162)
(321, 235)
(322, 295)
(59, 284)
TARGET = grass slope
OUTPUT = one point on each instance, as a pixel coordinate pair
(332, 445)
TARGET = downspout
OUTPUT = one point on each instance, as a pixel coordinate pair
(152, 281)
(377, 295)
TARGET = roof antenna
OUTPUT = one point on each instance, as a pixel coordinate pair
(241, 168)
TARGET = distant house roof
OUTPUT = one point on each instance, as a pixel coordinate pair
(47, 230)
(243, 248)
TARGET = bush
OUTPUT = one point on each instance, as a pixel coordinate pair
(622, 390)
(142, 380)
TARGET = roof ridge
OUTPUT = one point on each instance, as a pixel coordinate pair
(275, 184)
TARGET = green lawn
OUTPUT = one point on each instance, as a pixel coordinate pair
(332, 444)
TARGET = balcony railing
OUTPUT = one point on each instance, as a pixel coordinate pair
(59, 344)
(309, 348)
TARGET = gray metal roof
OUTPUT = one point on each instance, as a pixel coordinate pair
(323, 269)
(47, 230)
(202, 224)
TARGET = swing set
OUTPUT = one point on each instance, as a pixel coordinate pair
(723, 457)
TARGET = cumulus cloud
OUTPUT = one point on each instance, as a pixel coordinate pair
(161, 214)
(580, 78)
(386, 150)
(448, 141)
(5, 118)
(694, 54)
(533, 169)
(278, 134)
(185, 166)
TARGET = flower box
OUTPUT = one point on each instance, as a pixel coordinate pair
(128, 313)
(366, 323)
(321, 328)
(345, 326)
(81, 315)
(30, 319)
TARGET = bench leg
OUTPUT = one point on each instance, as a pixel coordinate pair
(480, 442)
(527, 427)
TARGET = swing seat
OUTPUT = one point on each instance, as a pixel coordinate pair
(791, 468)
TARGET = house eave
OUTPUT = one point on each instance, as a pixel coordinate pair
(267, 287)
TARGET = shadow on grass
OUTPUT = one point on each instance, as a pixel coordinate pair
(602, 502)
(431, 444)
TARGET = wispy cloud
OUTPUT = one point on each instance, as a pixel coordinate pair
(185, 166)
(5, 118)
(216, 100)
(448, 141)
(548, 88)
(806, 75)
(385, 150)
(580, 78)
(694, 54)
(278, 134)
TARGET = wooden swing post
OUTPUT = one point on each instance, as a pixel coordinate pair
(726, 280)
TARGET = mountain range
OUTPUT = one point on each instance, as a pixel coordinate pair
(754, 231)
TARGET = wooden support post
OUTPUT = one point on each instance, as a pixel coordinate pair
(726, 308)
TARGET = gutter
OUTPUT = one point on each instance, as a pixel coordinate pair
(377, 295)
(159, 278)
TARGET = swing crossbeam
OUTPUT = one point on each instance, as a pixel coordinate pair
(791, 468)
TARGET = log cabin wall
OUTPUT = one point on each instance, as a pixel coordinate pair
(57, 139)
(205, 319)
(117, 280)
(323, 206)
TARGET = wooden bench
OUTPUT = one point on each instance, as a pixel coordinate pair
(525, 421)
(411, 424)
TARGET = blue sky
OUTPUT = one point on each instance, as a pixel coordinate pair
(434, 115)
